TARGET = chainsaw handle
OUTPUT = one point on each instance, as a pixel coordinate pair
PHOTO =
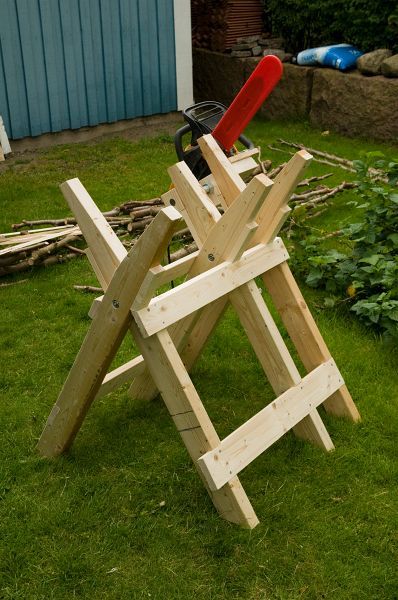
(187, 128)
(246, 142)
(178, 140)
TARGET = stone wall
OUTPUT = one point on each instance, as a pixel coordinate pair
(349, 103)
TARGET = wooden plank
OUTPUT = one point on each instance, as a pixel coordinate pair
(274, 357)
(162, 275)
(156, 278)
(192, 295)
(103, 338)
(304, 333)
(123, 374)
(244, 167)
(95, 306)
(229, 182)
(39, 239)
(192, 421)
(230, 236)
(247, 442)
(198, 211)
(275, 212)
(242, 156)
(105, 247)
(16, 237)
(174, 270)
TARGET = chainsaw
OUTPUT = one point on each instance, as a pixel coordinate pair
(226, 124)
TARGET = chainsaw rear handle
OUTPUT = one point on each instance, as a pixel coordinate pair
(187, 129)
(178, 140)
(246, 142)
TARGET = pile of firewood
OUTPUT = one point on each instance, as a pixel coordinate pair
(31, 244)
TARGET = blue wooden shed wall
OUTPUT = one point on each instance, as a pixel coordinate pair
(66, 64)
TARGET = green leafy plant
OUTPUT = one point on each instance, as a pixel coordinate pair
(364, 269)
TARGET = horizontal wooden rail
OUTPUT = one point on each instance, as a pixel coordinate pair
(247, 442)
(123, 374)
(190, 296)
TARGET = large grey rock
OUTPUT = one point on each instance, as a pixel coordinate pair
(272, 43)
(389, 66)
(370, 63)
(281, 54)
(241, 53)
(244, 46)
(290, 99)
(355, 105)
(249, 39)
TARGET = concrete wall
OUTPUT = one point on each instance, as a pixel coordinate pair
(349, 103)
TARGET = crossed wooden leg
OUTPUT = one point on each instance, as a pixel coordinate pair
(110, 324)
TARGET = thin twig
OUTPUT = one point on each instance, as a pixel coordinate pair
(3, 285)
(88, 289)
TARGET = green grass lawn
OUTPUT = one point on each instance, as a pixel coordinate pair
(124, 514)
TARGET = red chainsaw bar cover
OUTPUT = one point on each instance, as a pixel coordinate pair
(245, 105)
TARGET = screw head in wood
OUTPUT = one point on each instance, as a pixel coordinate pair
(210, 257)
(115, 304)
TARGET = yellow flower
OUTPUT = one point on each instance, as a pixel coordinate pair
(351, 291)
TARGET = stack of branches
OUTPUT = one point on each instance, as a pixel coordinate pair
(327, 158)
(49, 241)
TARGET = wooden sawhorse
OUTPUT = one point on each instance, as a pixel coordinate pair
(172, 328)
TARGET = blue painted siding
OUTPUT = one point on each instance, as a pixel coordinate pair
(66, 64)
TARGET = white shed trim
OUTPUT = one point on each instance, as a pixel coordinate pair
(4, 143)
(183, 49)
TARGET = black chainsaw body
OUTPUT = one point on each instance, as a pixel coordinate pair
(201, 119)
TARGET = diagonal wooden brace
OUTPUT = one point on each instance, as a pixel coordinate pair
(104, 337)
(247, 442)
